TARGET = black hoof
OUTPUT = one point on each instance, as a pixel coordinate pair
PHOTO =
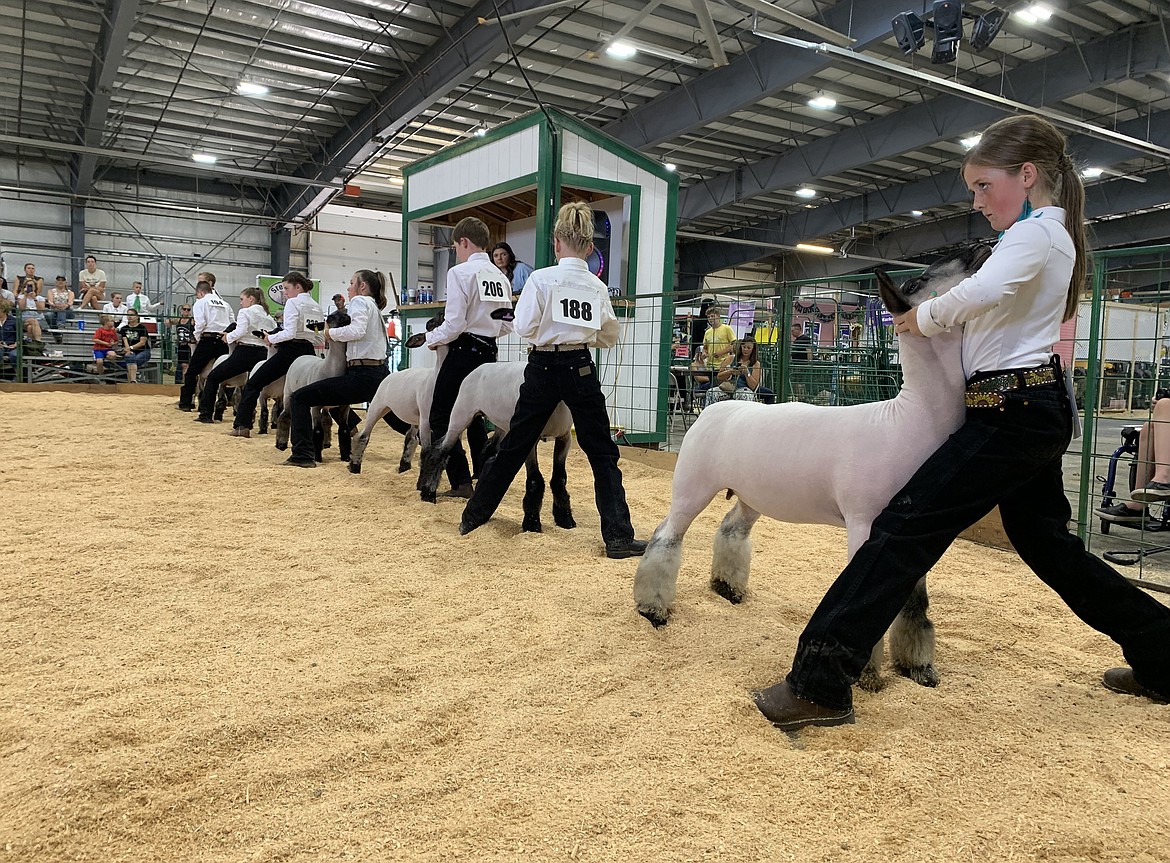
(566, 523)
(531, 526)
(428, 496)
(657, 620)
(355, 468)
(923, 675)
(282, 446)
(403, 467)
(727, 591)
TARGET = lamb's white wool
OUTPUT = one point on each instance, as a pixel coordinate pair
(493, 390)
(813, 464)
(407, 395)
(305, 371)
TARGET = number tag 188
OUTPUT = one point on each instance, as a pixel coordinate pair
(577, 306)
(493, 287)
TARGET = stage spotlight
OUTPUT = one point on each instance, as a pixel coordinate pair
(910, 32)
(948, 30)
(986, 27)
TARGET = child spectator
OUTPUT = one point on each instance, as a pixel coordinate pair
(184, 326)
(135, 345)
(105, 342)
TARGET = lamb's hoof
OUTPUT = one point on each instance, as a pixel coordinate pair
(735, 597)
(657, 618)
(564, 520)
(263, 430)
(403, 466)
(871, 680)
(531, 526)
(355, 467)
(923, 675)
(281, 446)
(428, 496)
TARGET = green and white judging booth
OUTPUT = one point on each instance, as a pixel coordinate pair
(515, 178)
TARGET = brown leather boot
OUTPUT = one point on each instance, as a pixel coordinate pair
(1122, 680)
(787, 712)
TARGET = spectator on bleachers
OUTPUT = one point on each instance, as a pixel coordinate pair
(6, 294)
(140, 302)
(135, 345)
(8, 336)
(116, 309)
(60, 306)
(105, 345)
(184, 326)
(91, 282)
(32, 312)
(30, 275)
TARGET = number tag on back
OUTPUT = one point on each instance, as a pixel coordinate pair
(576, 306)
(493, 287)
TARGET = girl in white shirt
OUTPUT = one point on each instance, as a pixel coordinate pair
(1008, 451)
(246, 347)
(564, 312)
(366, 343)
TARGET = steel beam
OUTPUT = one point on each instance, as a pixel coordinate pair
(117, 22)
(446, 65)
(1118, 57)
(764, 71)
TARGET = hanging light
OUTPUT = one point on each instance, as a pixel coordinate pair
(203, 158)
(822, 102)
(251, 88)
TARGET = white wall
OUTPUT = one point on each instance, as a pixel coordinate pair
(347, 239)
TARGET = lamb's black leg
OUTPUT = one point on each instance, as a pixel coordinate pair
(220, 405)
(562, 509)
(533, 494)
(319, 435)
(912, 639)
(403, 428)
(430, 470)
(347, 421)
(263, 416)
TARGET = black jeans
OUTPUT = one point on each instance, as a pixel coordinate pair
(1010, 457)
(464, 355)
(357, 385)
(241, 360)
(274, 368)
(551, 378)
(206, 350)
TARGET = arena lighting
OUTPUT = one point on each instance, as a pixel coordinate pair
(948, 30)
(1034, 14)
(203, 158)
(916, 214)
(1092, 173)
(815, 249)
(986, 28)
(822, 102)
(970, 142)
(670, 166)
(806, 192)
(251, 88)
(481, 131)
(621, 50)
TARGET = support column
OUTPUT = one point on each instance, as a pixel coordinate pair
(76, 241)
(281, 250)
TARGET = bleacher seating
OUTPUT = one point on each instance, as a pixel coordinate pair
(67, 360)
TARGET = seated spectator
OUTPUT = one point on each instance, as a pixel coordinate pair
(116, 309)
(739, 377)
(516, 270)
(60, 306)
(30, 276)
(140, 302)
(91, 282)
(6, 294)
(32, 312)
(105, 345)
(8, 336)
(1153, 476)
(135, 345)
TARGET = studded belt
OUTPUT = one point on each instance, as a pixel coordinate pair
(352, 363)
(987, 392)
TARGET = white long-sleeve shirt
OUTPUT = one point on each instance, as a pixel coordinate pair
(539, 302)
(365, 334)
(119, 312)
(212, 315)
(1012, 308)
(298, 311)
(250, 318)
(465, 311)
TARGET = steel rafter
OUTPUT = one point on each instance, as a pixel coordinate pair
(445, 65)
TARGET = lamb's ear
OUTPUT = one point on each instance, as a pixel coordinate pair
(436, 321)
(417, 340)
(504, 314)
(894, 302)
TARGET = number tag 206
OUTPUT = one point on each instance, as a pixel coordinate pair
(577, 306)
(493, 287)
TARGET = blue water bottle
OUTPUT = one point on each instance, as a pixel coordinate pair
(81, 324)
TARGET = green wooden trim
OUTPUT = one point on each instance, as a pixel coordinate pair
(548, 195)
(479, 196)
(644, 437)
(502, 131)
(668, 262)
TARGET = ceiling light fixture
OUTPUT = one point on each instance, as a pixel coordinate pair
(815, 249)
(481, 131)
(822, 102)
(251, 88)
(670, 166)
(971, 141)
(203, 158)
(917, 214)
(624, 48)
(1035, 13)
(1092, 173)
(806, 192)
(621, 50)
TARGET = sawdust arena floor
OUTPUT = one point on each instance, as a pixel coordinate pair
(209, 657)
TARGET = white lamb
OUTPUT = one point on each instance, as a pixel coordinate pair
(810, 464)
